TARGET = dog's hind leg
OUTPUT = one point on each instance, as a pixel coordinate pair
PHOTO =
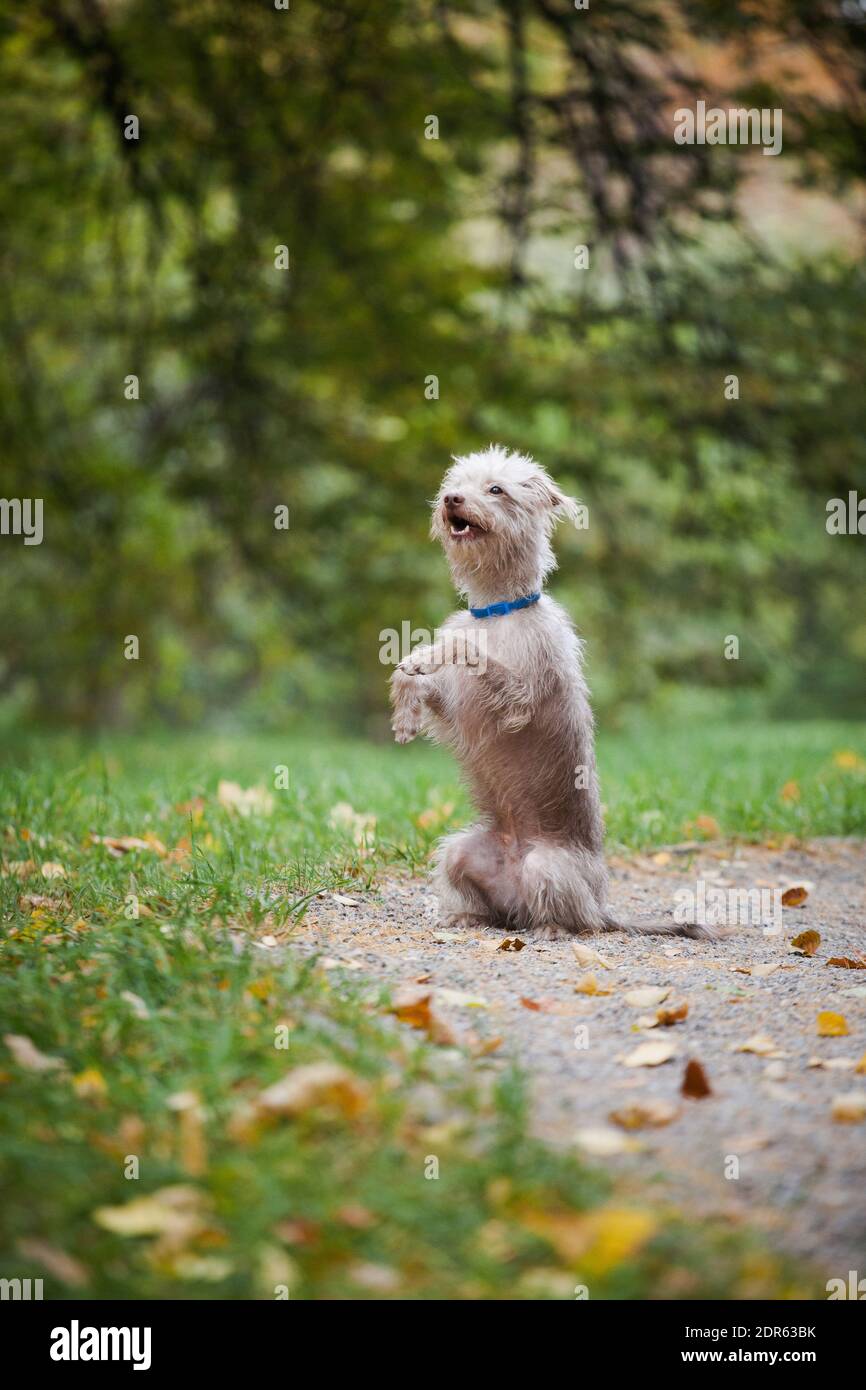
(560, 888)
(465, 870)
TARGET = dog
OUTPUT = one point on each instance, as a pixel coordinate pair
(502, 686)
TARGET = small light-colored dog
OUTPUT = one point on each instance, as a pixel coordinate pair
(506, 692)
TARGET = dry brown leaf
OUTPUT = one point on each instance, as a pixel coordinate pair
(833, 1063)
(759, 972)
(831, 1025)
(175, 1212)
(695, 1082)
(790, 791)
(650, 1054)
(588, 984)
(118, 845)
(313, 1086)
(647, 997)
(677, 1011)
(28, 1056)
(849, 1109)
(532, 1004)
(761, 1044)
(586, 956)
(511, 943)
(708, 826)
(244, 800)
(643, 1113)
(795, 895)
(50, 869)
(847, 962)
(413, 1004)
(806, 943)
(602, 1142)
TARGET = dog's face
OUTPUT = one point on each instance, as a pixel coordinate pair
(495, 511)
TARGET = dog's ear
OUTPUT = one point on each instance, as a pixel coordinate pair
(552, 499)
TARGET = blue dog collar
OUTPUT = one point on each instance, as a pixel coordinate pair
(498, 610)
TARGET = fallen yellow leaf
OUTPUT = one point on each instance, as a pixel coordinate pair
(832, 1025)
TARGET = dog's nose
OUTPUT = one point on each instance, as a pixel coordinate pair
(453, 499)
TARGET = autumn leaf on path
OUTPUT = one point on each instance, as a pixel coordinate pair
(796, 894)
(848, 962)
(588, 984)
(511, 943)
(643, 1113)
(695, 1081)
(849, 1109)
(832, 1025)
(650, 1054)
(587, 957)
(761, 1044)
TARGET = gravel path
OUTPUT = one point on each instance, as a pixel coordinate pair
(801, 1175)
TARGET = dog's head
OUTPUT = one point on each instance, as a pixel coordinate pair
(494, 515)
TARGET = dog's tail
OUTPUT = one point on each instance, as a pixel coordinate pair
(638, 926)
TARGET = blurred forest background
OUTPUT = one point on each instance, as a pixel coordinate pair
(412, 258)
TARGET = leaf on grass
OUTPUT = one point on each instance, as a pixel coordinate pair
(192, 1146)
(643, 1113)
(695, 1081)
(136, 1003)
(511, 943)
(90, 1084)
(708, 826)
(28, 1056)
(849, 1109)
(361, 825)
(650, 1054)
(847, 962)
(588, 984)
(602, 1142)
(807, 943)
(647, 997)
(19, 868)
(59, 1263)
(51, 869)
(586, 956)
(176, 1212)
(790, 791)
(118, 845)
(832, 1025)
(849, 761)
(246, 801)
(316, 1085)
(761, 1044)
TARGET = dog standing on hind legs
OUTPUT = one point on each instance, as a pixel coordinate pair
(502, 686)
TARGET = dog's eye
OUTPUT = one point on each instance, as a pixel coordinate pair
(494, 488)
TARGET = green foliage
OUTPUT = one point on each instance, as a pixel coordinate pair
(174, 1013)
(410, 258)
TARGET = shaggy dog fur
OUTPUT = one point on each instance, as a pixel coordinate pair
(507, 694)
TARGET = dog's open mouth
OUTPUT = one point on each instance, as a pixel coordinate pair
(462, 528)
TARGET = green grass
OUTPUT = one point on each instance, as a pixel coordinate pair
(182, 1002)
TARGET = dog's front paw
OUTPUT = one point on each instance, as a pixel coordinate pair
(406, 726)
(423, 661)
